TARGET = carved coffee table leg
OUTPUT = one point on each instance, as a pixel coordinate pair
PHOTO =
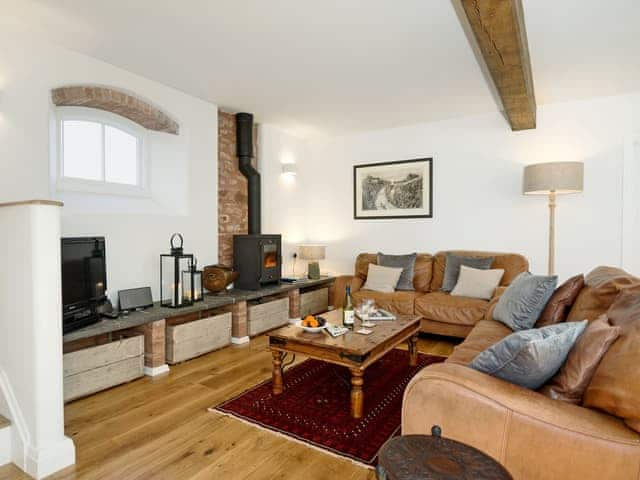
(413, 350)
(277, 372)
(357, 395)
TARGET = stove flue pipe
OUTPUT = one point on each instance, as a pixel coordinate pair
(244, 150)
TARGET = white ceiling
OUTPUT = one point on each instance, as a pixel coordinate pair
(329, 67)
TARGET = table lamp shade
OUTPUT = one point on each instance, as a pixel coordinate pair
(312, 252)
(555, 177)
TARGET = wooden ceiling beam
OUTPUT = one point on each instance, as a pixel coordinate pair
(498, 27)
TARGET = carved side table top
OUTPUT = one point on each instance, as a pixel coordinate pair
(425, 457)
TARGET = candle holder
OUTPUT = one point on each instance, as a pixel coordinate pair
(194, 277)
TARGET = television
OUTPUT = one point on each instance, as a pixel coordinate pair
(84, 281)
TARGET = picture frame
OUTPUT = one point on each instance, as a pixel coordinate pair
(393, 190)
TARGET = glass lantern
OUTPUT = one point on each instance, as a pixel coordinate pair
(193, 277)
(176, 289)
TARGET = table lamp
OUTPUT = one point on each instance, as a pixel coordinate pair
(553, 179)
(313, 253)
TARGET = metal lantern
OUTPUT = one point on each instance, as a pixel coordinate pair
(194, 277)
(176, 289)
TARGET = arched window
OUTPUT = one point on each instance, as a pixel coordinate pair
(100, 152)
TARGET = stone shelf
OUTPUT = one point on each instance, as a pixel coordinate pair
(211, 300)
(149, 315)
(248, 295)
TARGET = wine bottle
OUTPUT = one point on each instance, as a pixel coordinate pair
(347, 311)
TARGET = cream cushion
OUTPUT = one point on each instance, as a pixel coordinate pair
(382, 279)
(476, 283)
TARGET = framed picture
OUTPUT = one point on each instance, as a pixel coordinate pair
(402, 189)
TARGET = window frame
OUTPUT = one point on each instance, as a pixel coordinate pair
(103, 187)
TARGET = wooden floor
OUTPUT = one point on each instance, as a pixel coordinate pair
(160, 428)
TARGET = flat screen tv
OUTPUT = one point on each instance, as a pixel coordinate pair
(84, 280)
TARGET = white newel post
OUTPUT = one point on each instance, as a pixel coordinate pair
(31, 333)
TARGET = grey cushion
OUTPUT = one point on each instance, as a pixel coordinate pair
(406, 262)
(452, 266)
(522, 302)
(530, 358)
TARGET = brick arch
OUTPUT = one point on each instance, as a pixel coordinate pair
(115, 101)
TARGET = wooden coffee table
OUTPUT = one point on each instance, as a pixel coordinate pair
(350, 350)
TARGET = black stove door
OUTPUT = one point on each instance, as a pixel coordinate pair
(271, 260)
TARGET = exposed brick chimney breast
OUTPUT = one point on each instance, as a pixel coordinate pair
(233, 207)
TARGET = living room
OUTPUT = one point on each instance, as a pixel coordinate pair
(122, 125)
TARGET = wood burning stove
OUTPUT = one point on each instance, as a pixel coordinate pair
(257, 259)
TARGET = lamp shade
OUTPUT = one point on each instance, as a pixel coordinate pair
(556, 177)
(312, 252)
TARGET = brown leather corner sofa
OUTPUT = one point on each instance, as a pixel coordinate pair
(441, 313)
(533, 436)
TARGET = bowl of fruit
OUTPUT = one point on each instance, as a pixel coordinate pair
(312, 324)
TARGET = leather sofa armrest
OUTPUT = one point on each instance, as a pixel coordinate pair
(493, 302)
(522, 429)
(340, 286)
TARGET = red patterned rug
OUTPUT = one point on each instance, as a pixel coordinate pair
(315, 405)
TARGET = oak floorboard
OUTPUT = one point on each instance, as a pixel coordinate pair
(11, 472)
(159, 428)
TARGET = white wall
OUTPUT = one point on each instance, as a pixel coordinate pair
(631, 193)
(283, 197)
(184, 168)
(478, 204)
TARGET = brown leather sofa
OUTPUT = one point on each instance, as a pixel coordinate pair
(533, 436)
(441, 313)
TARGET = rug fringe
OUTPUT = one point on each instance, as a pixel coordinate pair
(289, 437)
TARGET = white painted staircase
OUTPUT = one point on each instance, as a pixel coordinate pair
(5, 441)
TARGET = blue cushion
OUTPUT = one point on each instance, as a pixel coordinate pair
(523, 301)
(452, 266)
(530, 358)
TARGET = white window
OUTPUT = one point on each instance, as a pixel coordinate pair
(100, 152)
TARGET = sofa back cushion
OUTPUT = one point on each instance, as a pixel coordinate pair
(512, 263)
(601, 287)
(625, 309)
(421, 271)
(615, 387)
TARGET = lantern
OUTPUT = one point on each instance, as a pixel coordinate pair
(176, 288)
(195, 279)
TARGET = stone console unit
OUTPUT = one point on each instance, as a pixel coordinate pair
(110, 362)
(196, 334)
(113, 352)
(248, 314)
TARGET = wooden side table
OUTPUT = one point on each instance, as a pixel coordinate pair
(424, 457)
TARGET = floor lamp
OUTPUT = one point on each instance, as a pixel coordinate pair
(556, 178)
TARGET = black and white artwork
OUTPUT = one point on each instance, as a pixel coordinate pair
(393, 189)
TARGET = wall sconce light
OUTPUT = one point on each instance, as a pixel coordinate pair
(289, 169)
